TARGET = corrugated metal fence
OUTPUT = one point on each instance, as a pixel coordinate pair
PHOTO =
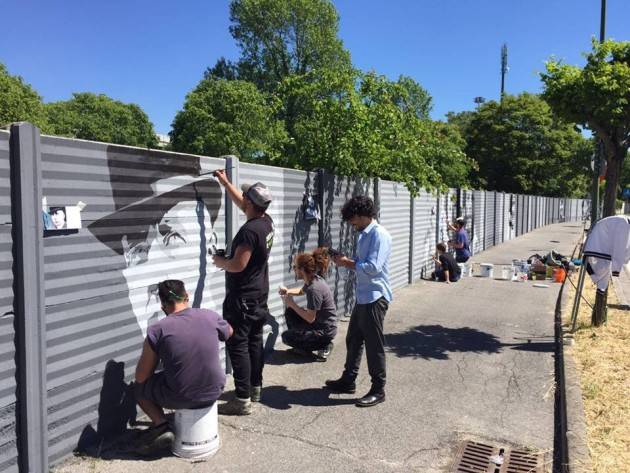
(151, 215)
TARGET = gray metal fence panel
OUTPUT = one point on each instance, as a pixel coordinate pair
(530, 213)
(425, 234)
(144, 221)
(489, 220)
(499, 220)
(293, 233)
(8, 436)
(340, 235)
(478, 228)
(395, 206)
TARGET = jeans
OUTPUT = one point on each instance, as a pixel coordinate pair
(461, 258)
(300, 333)
(440, 276)
(366, 327)
(245, 346)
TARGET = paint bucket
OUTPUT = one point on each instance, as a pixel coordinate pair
(463, 269)
(487, 270)
(196, 432)
(506, 272)
(559, 274)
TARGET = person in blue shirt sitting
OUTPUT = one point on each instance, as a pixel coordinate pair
(373, 296)
(460, 243)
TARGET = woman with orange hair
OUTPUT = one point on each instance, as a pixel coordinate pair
(310, 329)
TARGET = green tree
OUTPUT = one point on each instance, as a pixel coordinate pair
(364, 131)
(97, 117)
(19, 102)
(412, 97)
(598, 97)
(229, 117)
(521, 147)
(280, 38)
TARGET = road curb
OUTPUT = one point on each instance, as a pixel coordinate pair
(578, 456)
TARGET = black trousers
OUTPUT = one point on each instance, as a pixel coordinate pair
(366, 328)
(300, 334)
(245, 347)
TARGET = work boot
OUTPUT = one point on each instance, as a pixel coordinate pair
(324, 353)
(255, 393)
(236, 407)
(155, 440)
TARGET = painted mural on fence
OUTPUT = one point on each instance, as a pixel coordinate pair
(164, 235)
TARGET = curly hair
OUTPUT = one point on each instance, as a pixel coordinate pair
(313, 263)
(360, 206)
(322, 260)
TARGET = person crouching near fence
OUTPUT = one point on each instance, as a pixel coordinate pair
(187, 344)
(310, 329)
(447, 270)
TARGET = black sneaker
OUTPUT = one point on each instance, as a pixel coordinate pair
(324, 353)
(301, 352)
(341, 386)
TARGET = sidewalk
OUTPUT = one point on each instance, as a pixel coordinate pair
(471, 360)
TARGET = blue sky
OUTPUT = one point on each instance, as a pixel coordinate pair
(154, 52)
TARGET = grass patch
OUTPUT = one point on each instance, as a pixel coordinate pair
(602, 356)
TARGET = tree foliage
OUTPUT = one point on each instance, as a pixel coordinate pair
(280, 38)
(95, 117)
(521, 147)
(598, 97)
(229, 117)
(19, 102)
(334, 116)
(363, 129)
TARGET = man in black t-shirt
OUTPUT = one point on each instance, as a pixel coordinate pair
(447, 268)
(247, 287)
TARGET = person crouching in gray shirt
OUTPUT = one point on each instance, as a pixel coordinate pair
(310, 329)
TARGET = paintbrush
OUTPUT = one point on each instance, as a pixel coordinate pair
(215, 170)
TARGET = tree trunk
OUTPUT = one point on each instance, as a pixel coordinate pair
(600, 312)
(613, 174)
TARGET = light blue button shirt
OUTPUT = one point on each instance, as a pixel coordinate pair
(372, 264)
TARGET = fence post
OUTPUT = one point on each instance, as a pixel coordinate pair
(29, 304)
(231, 212)
(412, 219)
(494, 231)
(321, 202)
(377, 197)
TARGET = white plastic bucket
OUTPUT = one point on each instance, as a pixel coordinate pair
(463, 269)
(487, 270)
(506, 272)
(196, 432)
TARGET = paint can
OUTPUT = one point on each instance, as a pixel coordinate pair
(196, 432)
(487, 270)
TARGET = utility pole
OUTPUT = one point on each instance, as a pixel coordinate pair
(504, 68)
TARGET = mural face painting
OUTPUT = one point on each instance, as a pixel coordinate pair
(164, 236)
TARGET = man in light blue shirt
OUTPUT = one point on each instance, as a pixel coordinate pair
(373, 294)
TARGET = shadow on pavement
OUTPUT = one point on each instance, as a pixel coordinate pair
(286, 357)
(436, 341)
(279, 397)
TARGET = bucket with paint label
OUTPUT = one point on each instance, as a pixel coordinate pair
(196, 432)
(487, 270)
(463, 269)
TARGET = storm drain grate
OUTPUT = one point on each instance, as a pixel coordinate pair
(476, 457)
